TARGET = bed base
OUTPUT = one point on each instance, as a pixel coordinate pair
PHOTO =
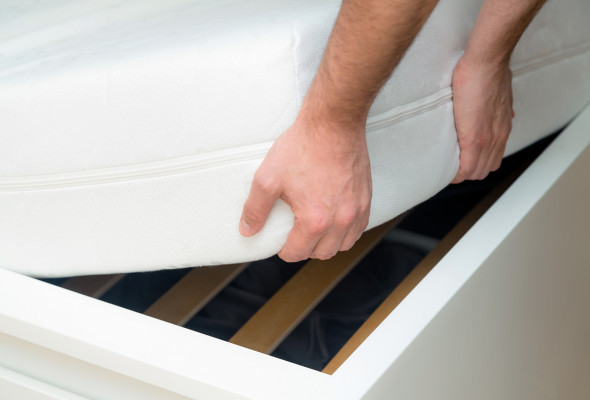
(503, 314)
(281, 314)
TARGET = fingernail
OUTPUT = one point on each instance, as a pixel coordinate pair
(245, 229)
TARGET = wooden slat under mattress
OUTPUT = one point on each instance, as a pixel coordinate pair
(179, 304)
(92, 285)
(295, 300)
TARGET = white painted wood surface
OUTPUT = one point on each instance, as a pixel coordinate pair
(17, 386)
(503, 315)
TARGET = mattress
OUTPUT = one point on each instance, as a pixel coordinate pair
(130, 130)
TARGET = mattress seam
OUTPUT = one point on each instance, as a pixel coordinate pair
(155, 169)
(550, 59)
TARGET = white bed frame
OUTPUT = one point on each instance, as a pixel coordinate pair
(504, 315)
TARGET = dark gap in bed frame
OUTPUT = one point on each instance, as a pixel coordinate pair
(280, 313)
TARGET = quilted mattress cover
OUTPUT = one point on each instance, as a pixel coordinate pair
(130, 130)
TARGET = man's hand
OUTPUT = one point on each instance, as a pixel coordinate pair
(482, 85)
(321, 169)
(482, 104)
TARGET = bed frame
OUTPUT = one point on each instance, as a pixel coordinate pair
(499, 309)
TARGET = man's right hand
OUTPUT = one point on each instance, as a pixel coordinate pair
(321, 169)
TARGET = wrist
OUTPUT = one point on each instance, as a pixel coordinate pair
(334, 102)
(498, 59)
(326, 118)
(469, 67)
(329, 130)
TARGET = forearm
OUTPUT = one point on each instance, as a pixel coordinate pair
(368, 40)
(499, 26)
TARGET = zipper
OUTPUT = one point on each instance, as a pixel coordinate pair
(540, 62)
(148, 170)
(395, 115)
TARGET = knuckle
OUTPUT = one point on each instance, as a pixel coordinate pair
(347, 246)
(365, 209)
(317, 223)
(468, 170)
(265, 182)
(346, 217)
(251, 215)
(363, 226)
(366, 213)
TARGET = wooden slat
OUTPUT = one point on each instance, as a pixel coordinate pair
(420, 271)
(92, 285)
(293, 302)
(183, 300)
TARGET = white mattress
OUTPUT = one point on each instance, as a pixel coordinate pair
(130, 130)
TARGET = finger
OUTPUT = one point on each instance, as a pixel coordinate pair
(497, 156)
(262, 196)
(495, 164)
(350, 239)
(483, 164)
(300, 242)
(355, 232)
(349, 224)
(328, 245)
(468, 160)
(499, 148)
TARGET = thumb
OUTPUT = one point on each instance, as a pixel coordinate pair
(263, 194)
